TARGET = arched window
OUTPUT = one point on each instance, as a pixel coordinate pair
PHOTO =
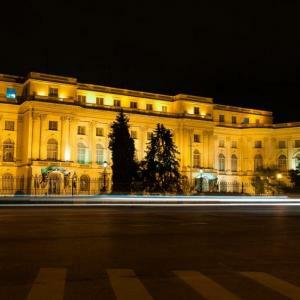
(99, 154)
(52, 149)
(8, 150)
(81, 153)
(7, 183)
(84, 183)
(233, 163)
(221, 162)
(282, 162)
(196, 159)
(258, 162)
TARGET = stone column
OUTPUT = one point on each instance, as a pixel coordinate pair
(65, 149)
(43, 141)
(36, 136)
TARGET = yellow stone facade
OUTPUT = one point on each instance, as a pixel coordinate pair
(48, 120)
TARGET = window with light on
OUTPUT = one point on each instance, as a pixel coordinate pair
(11, 93)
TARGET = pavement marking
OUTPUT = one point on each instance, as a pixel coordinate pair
(204, 286)
(281, 286)
(126, 285)
(48, 285)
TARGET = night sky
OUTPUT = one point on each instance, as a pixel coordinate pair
(240, 54)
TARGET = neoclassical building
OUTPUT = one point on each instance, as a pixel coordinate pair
(54, 130)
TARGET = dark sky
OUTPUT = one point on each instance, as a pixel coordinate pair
(242, 53)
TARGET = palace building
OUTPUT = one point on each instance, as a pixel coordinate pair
(54, 136)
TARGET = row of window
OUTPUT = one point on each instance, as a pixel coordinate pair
(258, 144)
(258, 162)
(117, 103)
(234, 120)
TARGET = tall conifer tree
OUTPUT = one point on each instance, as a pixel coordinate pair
(122, 147)
(161, 167)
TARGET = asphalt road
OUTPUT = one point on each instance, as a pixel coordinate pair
(150, 253)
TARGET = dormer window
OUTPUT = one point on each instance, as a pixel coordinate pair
(53, 92)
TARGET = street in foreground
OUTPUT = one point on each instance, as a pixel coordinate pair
(150, 253)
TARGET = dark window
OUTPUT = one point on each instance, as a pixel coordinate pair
(196, 111)
(246, 121)
(149, 106)
(117, 103)
(53, 125)
(221, 118)
(133, 105)
(99, 101)
(10, 125)
(297, 143)
(233, 119)
(99, 131)
(133, 134)
(81, 130)
(281, 144)
(81, 99)
(258, 144)
(196, 138)
(53, 92)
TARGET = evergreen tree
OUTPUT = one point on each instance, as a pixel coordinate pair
(122, 147)
(161, 167)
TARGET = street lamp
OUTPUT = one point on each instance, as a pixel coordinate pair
(104, 189)
(279, 176)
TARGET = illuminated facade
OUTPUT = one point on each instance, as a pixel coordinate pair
(56, 125)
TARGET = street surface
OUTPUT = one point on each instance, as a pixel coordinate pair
(247, 252)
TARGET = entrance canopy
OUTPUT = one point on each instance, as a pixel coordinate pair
(208, 176)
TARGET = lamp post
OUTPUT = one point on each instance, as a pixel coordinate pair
(201, 180)
(74, 179)
(104, 189)
(279, 176)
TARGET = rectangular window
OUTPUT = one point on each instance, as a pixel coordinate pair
(149, 135)
(196, 138)
(297, 143)
(246, 121)
(81, 99)
(281, 144)
(53, 125)
(164, 108)
(196, 111)
(53, 92)
(233, 119)
(133, 134)
(149, 106)
(99, 131)
(234, 144)
(221, 143)
(11, 93)
(258, 144)
(10, 125)
(99, 101)
(257, 121)
(221, 118)
(117, 103)
(81, 130)
(133, 105)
